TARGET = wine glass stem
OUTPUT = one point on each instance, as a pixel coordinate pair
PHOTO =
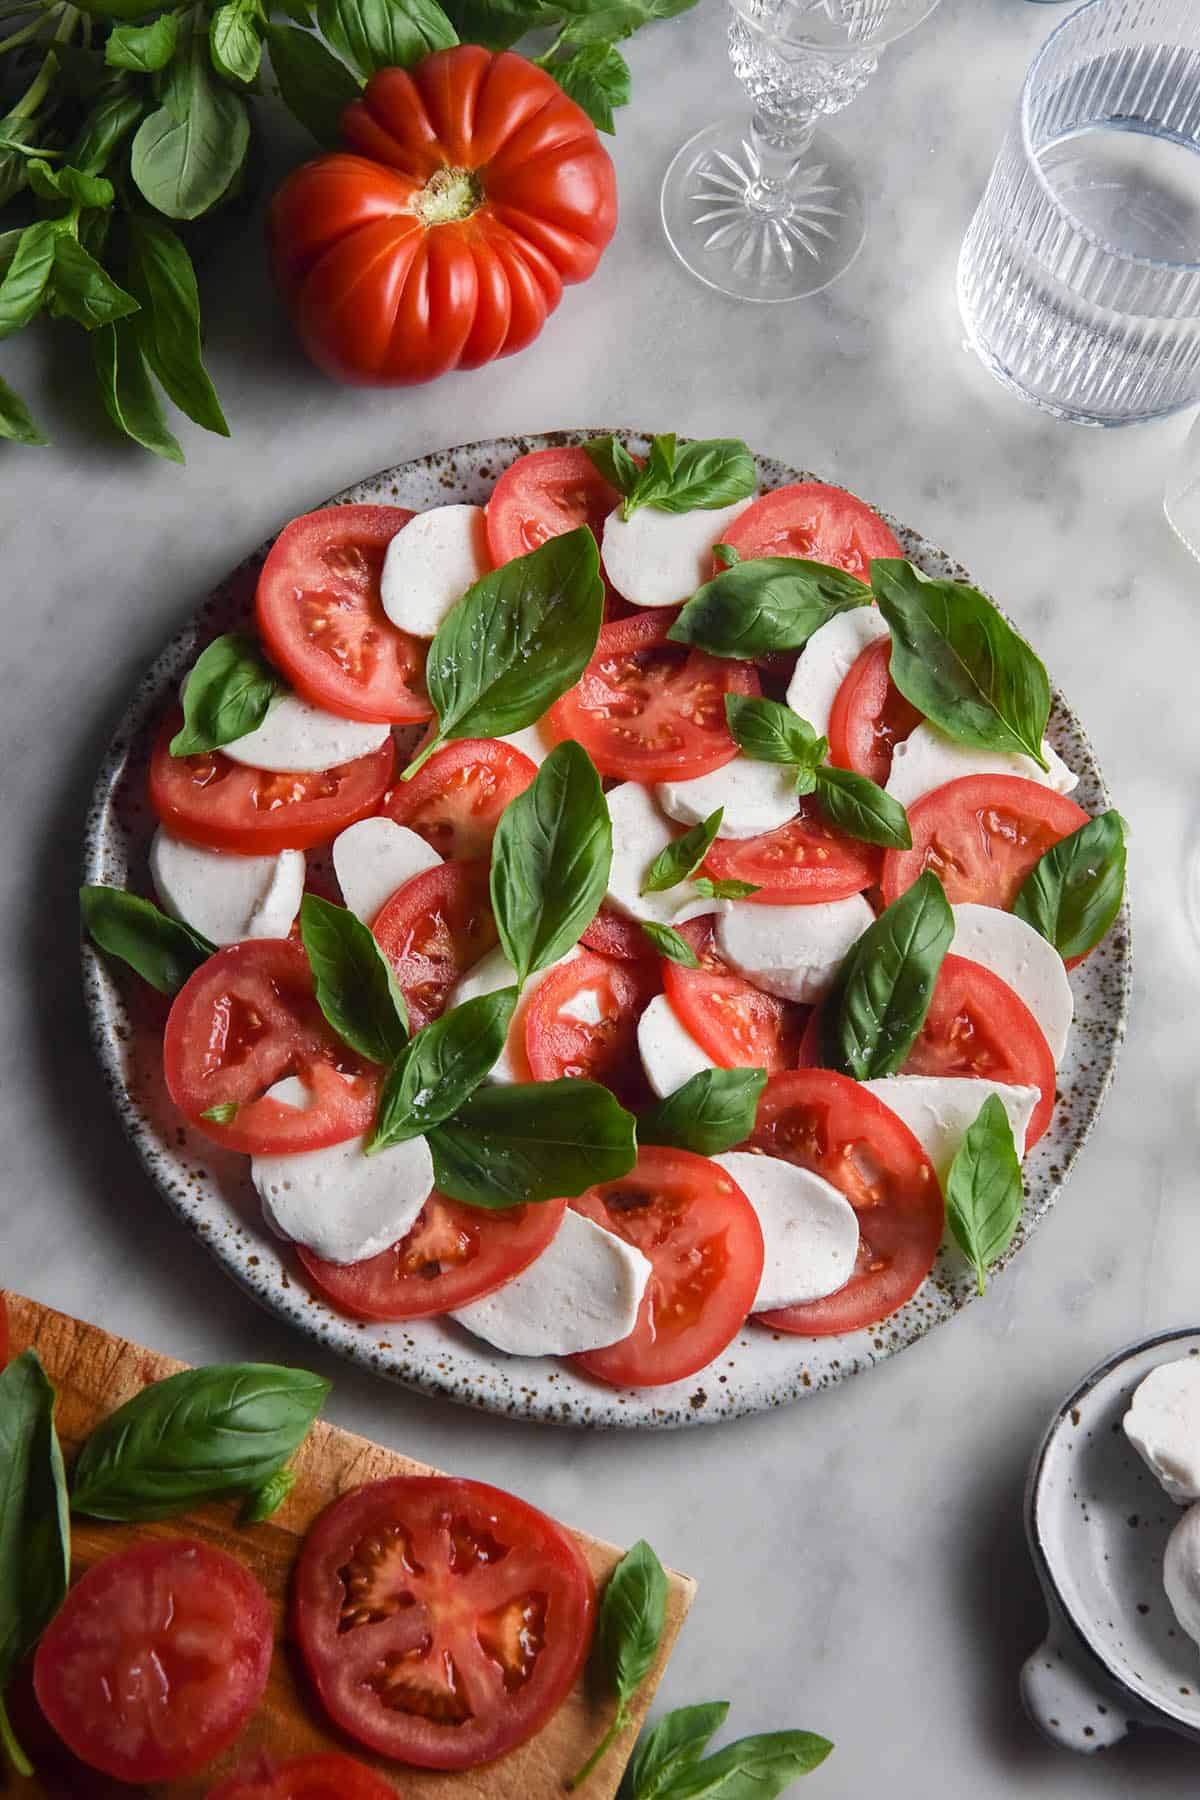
(778, 147)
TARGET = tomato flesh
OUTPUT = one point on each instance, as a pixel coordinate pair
(981, 836)
(870, 716)
(564, 1040)
(733, 1021)
(976, 1025)
(813, 520)
(441, 1621)
(432, 930)
(454, 801)
(542, 495)
(613, 935)
(806, 859)
(325, 1776)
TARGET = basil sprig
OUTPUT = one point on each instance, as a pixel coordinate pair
(764, 604)
(199, 1435)
(633, 1612)
(961, 663)
(527, 1142)
(163, 951)
(670, 1747)
(668, 942)
(711, 473)
(768, 732)
(227, 695)
(983, 1188)
(882, 992)
(682, 856)
(1074, 891)
(441, 1068)
(35, 1530)
(668, 1765)
(724, 890)
(551, 858)
(355, 985)
(712, 1112)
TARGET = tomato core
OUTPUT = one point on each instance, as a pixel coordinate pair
(449, 196)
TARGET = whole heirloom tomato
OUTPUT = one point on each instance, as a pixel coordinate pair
(472, 189)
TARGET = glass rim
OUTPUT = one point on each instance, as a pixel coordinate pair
(1129, 257)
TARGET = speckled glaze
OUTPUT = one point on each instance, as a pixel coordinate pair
(210, 1189)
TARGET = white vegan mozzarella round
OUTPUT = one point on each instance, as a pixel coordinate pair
(582, 1293)
(341, 1204)
(430, 564)
(373, 858)
(299, 738)
(827, 659)
(927, 759)
(224, 897)
(1163, 1425)
(660, 558)
(640, 829)
(756, 797)
(938, 1109)
(1021, 956)
(791, 951)
(810, 1231)
(670, 1054)
(1181, 1572)
(494, 971)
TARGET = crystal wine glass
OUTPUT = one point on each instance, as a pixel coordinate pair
(777, 211)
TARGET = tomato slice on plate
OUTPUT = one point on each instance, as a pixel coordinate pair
(831, 1125)
(322, 619)
(454, 801)
(705, 1244)
(442, 1622)
(613, 935)
(821, 523)
(542, 495)
(244, 1020)
(981, 835)
(870, 716)
(738, 1025)
(325, 1776)
(452, 1255)
(649, 710)
(977, 1025)
(806, 859)
(223, 805)
(156, 1660)
(432, 930)
(581, 1023)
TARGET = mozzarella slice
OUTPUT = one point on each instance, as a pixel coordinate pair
(224, 897)
(495, 971)
(1163, 1425)
(756, 796)
(810, 1231)
(670, 1054)
(927, 759)
(1181, 1572)
(640, 830)
(827, 659)
(298, 738)
(340, 1203)
(375, 857)
(430, 564)
(1020, 956)
(660, 558)
(938, 1109)
(791, 951)
(531, 742)
(582, 1293)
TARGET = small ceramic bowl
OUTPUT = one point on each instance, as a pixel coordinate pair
(1097, 1523)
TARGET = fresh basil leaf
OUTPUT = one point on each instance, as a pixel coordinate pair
(960, 663)
(441, 1068)
(724, 890)
(380, 34)
(313, 84)
(187, 153)
(262, 1502)
(668, 943)
(520, 1144)
(1074, 891)
(633, 1611)
(728, 554)
(597, 78)
(712, 1112)
(110, 120)
(17, 423)
(234, 42)
(355, 986)
(118, 9)
(983, 1188)
(551, 857)
(28, 275)
(228, 694)
(678, 1740)
(682, 856)
(499, 24)
(590, 23)
(161, 278)
(883, 988)
(83, 290)
(755, 1768)
(763, 604)
(195, 1436)
(714, 473)
(163, 951)
(35, 1530)
(70, 184)
(612, 459)
(769, 732)
(224, 1113)
(856, 805)
(127, 391)
(143, 48)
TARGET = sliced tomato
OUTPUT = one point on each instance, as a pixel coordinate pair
(813, 520)
(156, 1659)
(705, 1246)
(977, 1025)
(432, 930)
(803, 860)
(223, 805)
(870, 716)
(981, 836)
(442, 1622)
(322, 619)
(454, 801)
(325, 1776)
(613, 935)
(649, 710)
(452, 1255)
(581, 1023)
(244, 1020)
(833, 1126)
(738, 1025)
(542, 495)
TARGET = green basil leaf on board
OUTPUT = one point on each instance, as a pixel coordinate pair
(127, 391)
(1074, 891)
(882, 991)
(683, 855)
(712, 1112)
(355, 985)
(629, 1628)
(84, 290)
(313, 84)
(520, 1144)
(983, 1188)
(724, 890)
(161, 277)
(27, 277)
(610, 457)
(228, 693)
(441, 1068)
(755, 1768)
(17, 423)
(669, 943)
(234, 40)
(105, 126)
(35, 1530)
(142, 48)
(766, 731)
(597, 78)
(199, 1435)
(961, 663)
(163, 951)
(186, 154)
(856, 805)
(262, 1502)
(551, 857)
(380, 34)
(678, 1740)
(764, 604)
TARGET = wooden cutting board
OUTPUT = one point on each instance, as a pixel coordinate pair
(95, 1372)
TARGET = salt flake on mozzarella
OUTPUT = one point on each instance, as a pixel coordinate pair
(755, 796)
(299, 738)
(430, 564)
(640, 830)
(490, 973)
(827, 659)
(670, 1054)
(1022, 957)
(373, 858)
(582, 1293)
(660, 558)
(793, 952)
(227, 898)
(939, 1109)
(340, 1203)
(810, 1230)
(928, 759)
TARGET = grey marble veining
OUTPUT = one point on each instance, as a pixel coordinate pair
(861, 1560)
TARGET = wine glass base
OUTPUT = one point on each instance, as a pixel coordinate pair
(782, 245)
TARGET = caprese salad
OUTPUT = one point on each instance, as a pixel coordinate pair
(627, 908)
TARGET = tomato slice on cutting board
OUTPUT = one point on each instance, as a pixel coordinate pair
(442, 1622)
(542, 495)
(581, 1024)
(981, 835)
(870, 716)
(806, 859)
(736, 1023)
(818, 522)
(325, 1776)
(454, 801)
(432, 930)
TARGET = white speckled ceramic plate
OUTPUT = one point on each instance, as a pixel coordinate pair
(210, 1188)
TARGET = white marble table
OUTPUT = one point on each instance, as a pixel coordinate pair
(861, 1560)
